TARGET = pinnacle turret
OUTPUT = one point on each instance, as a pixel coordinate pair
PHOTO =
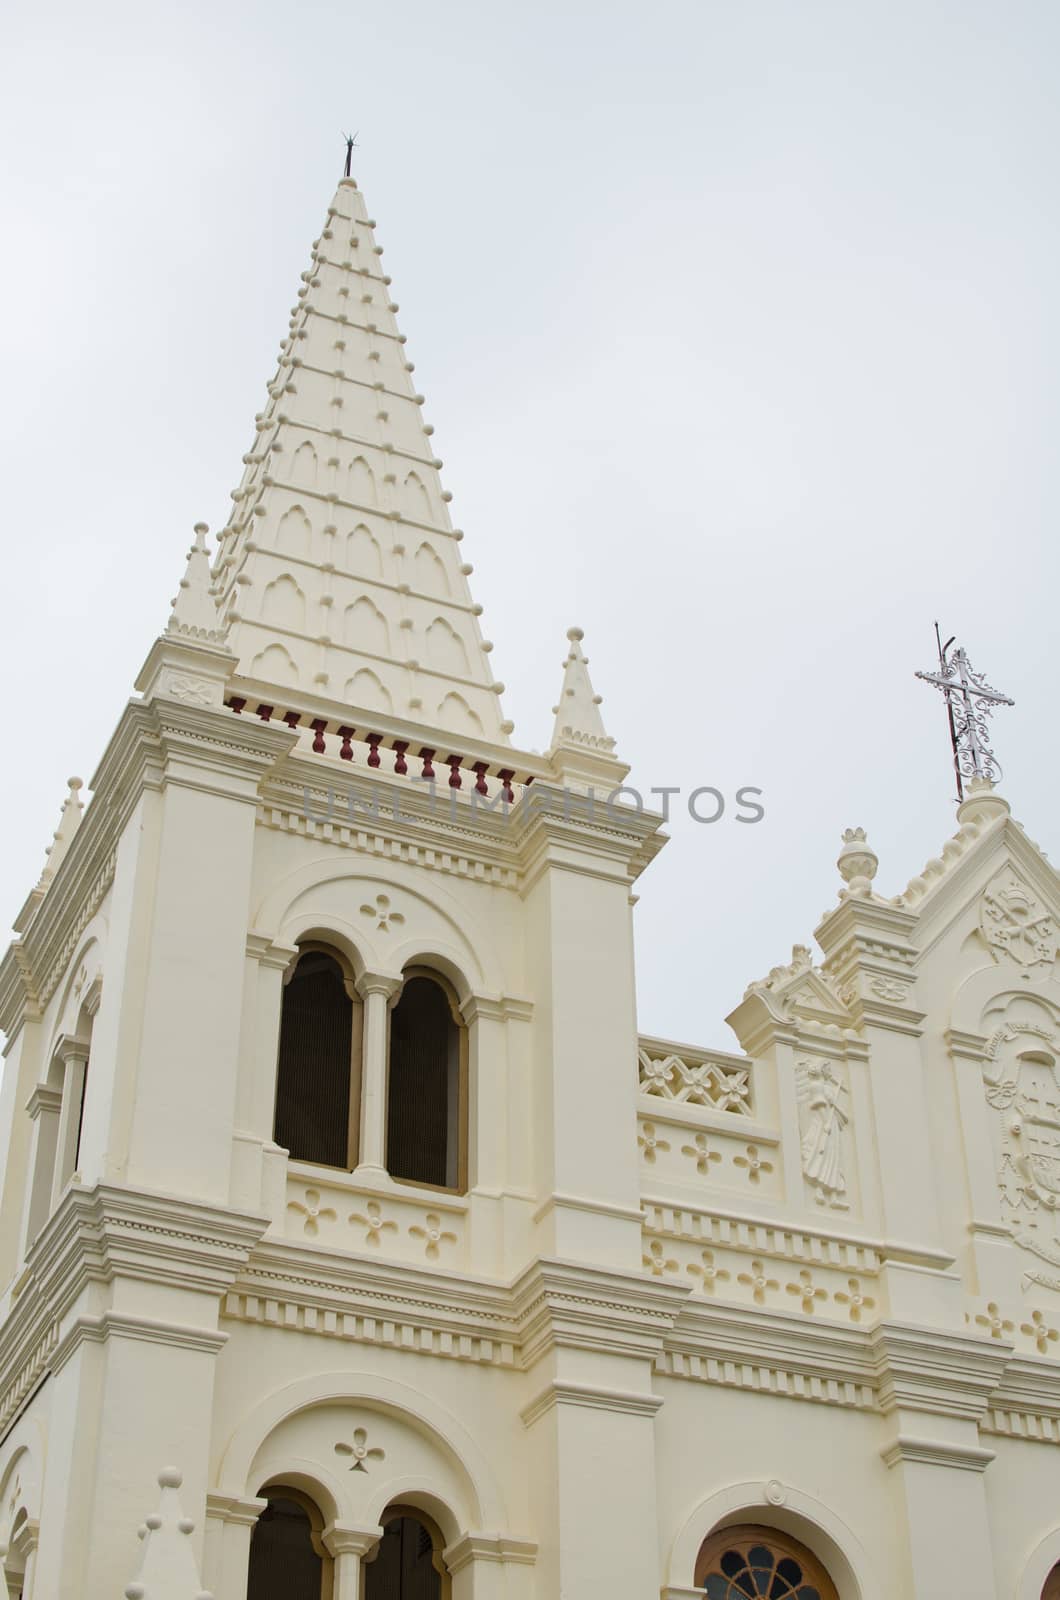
(194, 607)
(578, 719)
(69, 822)
(168, 1569)
(339, 576)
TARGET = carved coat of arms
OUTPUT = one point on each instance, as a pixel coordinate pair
(1015, 923)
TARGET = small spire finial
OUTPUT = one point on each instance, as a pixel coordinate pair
(969, 701)
(351, 144)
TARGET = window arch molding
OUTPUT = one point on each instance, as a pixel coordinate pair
(1040, 1565)
(334, 942)
(467, 1492)
(427, 1072)
(791, 1511)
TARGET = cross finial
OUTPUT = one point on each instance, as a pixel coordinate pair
(969, 701)
(351, 142)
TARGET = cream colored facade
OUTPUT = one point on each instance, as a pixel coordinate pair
(813, 1284)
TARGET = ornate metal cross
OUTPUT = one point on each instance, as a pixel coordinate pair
(969, 701)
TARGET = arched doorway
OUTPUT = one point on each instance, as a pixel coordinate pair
(287, 1558)
(1052, 1584)
(749, 1561)
(407, 1562)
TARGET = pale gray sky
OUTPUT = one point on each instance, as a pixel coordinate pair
(738, 326)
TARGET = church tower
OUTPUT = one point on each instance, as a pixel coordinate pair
(331, 1007)
(353, 1243)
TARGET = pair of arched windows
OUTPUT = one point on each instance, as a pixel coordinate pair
(289, 1559)
(322, 1071)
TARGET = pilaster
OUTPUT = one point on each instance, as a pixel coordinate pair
(870, 956)
(579, 859)
(124, 1290)
(933, 1393)
(590, 1339)
(166, 1041)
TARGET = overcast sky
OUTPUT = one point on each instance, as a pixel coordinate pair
(738, 325)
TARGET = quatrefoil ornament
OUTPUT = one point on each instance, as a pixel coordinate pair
(361, 1451)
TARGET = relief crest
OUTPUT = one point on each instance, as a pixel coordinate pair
(1015, 923)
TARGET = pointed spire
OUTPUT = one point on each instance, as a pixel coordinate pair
(578, 719)
(168, 1569)
(194, 608)
(339, 576)
(62, 838)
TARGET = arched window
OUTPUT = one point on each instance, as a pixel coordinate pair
(749, 1561)
(318, 1072)
(287, 1558)
(1052, 1585)
(407, 1562)
(426, 1086)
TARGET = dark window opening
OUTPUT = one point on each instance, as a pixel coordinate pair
(315, 1063)
(284, 1561)
(423, 1091)
(81, 1117)
(404, 1566)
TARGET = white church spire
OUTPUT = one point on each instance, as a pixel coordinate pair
(340, 578)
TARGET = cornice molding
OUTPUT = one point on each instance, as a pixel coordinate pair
(562, 1304)
(775, 1237)
(590, 1396)
(153, 744)
(97, 1236)
(503, 1549)
(947, 1373)
(936, 1453)
(144, 1330)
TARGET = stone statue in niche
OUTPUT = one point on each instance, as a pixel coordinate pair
(824, 1118)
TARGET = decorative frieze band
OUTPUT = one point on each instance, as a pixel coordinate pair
(399, 1333)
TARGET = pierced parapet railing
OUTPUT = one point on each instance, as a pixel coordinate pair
(692, 1077)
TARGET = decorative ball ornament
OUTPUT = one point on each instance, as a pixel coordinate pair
(857, 862)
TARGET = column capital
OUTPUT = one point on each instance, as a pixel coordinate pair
(242, 1510)
(378, 983)
(44, 1099)
(69, 1048)
(343, 1539)
(269, 952)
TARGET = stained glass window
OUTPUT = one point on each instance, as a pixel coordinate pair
(760, 1564)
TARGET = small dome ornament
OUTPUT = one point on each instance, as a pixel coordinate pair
(857, 863)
